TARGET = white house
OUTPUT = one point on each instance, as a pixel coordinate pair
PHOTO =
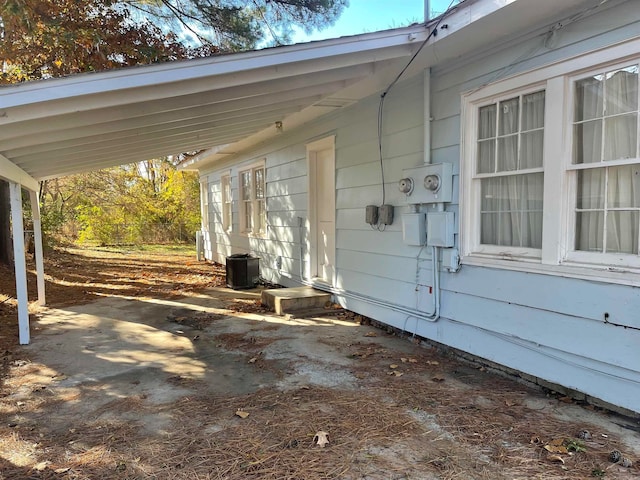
(521, 247)
(475, 180)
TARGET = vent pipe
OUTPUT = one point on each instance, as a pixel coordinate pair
(427, 11)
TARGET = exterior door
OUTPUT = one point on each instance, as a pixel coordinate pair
(322, 210)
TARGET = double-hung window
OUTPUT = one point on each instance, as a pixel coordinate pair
(606, 163)
(507, 181)
(551, 168)
(253, 212)
(227, 203)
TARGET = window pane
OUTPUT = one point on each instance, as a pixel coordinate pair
(487, 122)
(623, 189)
(532, 229)
(259, 177)
(622, 231)
(262, 216)
(591, 189)
(621, 137)
(589, 231)
(248, 217)
(533, 111)
(511, 210)
(246, 185)
(487, 156)
(490, 194)
(509, 114)
(507, 153)
(531, 149)
(589, 99)
(587, 142)
(621, 91)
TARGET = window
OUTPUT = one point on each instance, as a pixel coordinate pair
(227, 203)
(550, 173)
(605, 146)
(204, 205)
(253, 210)
(509, 171)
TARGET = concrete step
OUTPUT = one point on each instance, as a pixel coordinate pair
(288, 300)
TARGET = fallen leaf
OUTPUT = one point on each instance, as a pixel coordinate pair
(404, 360)
(62, 470)
(253, 360)
(510, 403)
(321, 438)
(437, 378)
(397, 373)
(432, 362)
(557, 441)
(556, 458)
(371, 334)
(556, 449)
(41, 466)
(413, 360)
(393, 365)
(241, 413)
(566, 399)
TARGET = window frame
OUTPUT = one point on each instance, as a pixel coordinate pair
(558, 255)
(254, 201)
(227, 202)
(611, 260)
(474, 179)
(204, 204)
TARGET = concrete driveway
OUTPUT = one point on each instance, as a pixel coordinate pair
(212, 386)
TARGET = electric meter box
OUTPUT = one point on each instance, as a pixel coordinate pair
(431, 183)
(440, 226)
(414, 231)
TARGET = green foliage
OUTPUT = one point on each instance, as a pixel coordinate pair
(146, 202)
(575, 446)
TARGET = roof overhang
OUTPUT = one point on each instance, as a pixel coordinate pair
(228, 104)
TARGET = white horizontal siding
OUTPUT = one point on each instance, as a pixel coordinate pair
(549, 327)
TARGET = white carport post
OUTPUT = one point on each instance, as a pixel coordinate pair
(15, 193)
(37, 240)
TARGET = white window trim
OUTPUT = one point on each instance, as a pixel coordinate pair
(556, 256)
(474, 202)
(227, 215)
(204, 204)
(243, 227)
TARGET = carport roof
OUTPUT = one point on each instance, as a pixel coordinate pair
(227, 104)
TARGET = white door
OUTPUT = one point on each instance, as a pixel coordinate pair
(322, 210)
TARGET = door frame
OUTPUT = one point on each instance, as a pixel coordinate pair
(326, 143)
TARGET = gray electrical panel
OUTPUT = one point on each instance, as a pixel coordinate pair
(440, 229)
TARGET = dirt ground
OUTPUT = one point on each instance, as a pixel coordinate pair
(143, 366)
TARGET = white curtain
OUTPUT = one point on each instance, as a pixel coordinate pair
(511, 206)
(608, 198)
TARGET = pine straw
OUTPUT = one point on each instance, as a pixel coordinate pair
(276, 440)
(489, 415)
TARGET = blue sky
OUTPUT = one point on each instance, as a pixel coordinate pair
(371, 15)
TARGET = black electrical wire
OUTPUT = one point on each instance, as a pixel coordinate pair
(432, 33)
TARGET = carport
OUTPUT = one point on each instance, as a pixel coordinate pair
(90, 121)
(224, 104)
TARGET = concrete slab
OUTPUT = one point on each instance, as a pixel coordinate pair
(165, 375)
(288, 300)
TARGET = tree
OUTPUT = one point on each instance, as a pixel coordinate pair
(49, 38)
(43, 39)
(240, 24)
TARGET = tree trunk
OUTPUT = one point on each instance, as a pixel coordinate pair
(6, 246)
